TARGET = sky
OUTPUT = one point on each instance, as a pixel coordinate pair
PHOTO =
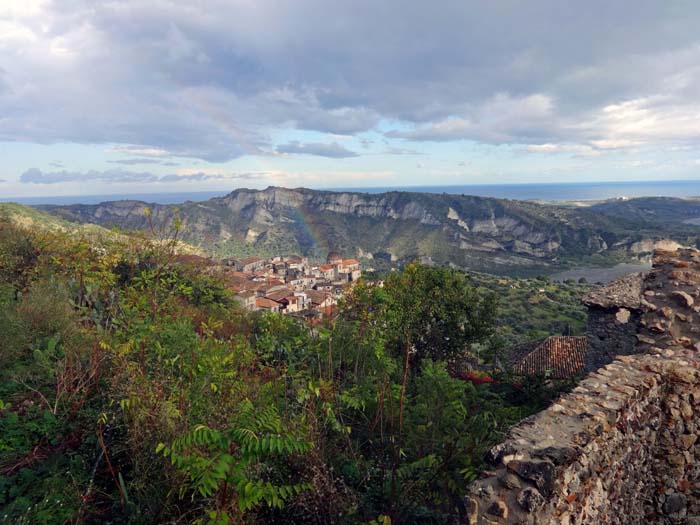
(127, 96)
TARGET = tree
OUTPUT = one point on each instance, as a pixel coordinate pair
(437, 312)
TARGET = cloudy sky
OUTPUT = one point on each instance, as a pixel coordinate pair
(121, 96)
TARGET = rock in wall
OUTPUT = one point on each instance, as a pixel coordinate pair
(620, 449)
(610, 333)
(624, 446)
(614, 314)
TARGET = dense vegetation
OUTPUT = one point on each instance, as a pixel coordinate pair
(536, 307)
(133, 389)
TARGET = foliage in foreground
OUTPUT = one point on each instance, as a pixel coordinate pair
(133, 389)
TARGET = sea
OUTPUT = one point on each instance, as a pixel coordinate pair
(553, 192)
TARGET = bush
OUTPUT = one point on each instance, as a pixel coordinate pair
(134, 389)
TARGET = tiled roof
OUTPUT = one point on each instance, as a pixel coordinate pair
(558, 357)
(264, 302)
(326, 267)
(238, 281)
(317, 297)
(268, 285)
(246, 293)
(278, 295)
(515, 354)
(350, 262)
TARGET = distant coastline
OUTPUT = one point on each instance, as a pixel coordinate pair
(557, 192)
(548, 192)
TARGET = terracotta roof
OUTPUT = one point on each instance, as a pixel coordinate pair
(515, 354)
(267, 285)
(349, 262)
(264, 302)
(249, 260)
(559, 357)
(325, 267)
(238, 281)
(317, 297)
(277, 295)
(246, 293)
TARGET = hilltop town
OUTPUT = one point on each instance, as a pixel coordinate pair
(291, 284)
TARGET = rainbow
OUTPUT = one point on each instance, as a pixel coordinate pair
(313, 235)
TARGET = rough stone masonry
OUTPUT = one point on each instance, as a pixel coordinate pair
(624, 446)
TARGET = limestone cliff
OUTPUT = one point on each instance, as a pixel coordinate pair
(473, 232)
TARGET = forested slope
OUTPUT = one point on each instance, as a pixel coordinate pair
(135, 390)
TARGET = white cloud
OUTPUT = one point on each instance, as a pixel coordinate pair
(139, 151)
(13, 34)
(501, 119)
(331, 150)
(21, 8)
(576, 149)
(37, 176)
(214, 80)
(647, 120)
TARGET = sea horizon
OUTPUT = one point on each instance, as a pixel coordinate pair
(535, 191)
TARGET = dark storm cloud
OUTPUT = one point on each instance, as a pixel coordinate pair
(211, 79)
(332, 150)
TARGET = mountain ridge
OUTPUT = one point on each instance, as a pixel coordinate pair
(481, 233)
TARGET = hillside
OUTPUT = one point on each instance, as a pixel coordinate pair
(142, 375)
(534, 308)
(36, 219)
(135, 389)
(496, 235)
(655, 210)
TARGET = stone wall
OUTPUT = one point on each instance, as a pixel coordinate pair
(610, 333)
(624, 446)
(614, 315)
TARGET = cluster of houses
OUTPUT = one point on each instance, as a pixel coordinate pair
(291, 284)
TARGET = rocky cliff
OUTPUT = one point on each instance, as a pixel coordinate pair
(472, 232)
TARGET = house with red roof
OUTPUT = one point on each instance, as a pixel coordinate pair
(263, 303)
(349, 270)
(556, 357)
